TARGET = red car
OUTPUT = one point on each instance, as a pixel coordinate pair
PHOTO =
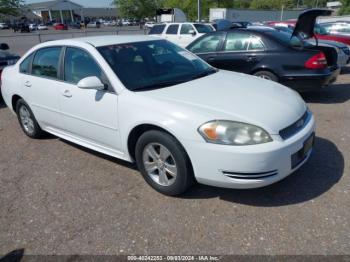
(321, 33)
(60, 27)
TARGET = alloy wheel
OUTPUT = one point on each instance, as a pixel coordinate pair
(159, 164)
(26, 119)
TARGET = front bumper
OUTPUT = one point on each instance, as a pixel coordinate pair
(222, 165)
(310, 82)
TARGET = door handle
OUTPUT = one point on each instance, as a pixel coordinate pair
(27, 84)
(211, 59)
(67, 93)
(251, 58)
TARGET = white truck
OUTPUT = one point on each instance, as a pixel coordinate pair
(170, 15)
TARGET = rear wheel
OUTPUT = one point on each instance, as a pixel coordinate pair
(27, 120)
(164, 163)
(267, 75)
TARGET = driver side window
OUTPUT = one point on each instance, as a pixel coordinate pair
(78, 64)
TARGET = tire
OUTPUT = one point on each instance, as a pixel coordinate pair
(27, 120)
(267, 75)
(169, 169)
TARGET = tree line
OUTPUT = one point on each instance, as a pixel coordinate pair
(146, 8)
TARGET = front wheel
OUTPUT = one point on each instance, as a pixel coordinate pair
(267, 75)
(164, 163)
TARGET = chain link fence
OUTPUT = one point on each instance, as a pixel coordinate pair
(21, 43)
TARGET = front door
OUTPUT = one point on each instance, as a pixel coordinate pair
(90, 116)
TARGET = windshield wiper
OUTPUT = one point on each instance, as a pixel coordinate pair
(159, 85)
(174, 82)
(205, 73)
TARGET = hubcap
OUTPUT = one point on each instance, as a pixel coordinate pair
(159, 164)
(265, 77)
(26, 120)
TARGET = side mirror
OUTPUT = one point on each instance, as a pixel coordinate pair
(192, 32)
(91, 82)
(4, 46)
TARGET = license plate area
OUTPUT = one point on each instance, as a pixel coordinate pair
(300, 156)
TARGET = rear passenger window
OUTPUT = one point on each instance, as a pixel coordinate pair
(157, 30)
(237, 42)
(25, 65)
(78, 64)
(255, 44)
(46, 61)
(172, 30)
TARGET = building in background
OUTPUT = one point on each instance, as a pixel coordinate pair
(66, 11)
(58, 10)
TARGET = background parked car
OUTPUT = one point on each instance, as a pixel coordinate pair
(75, 25)
(181, 34)
(6, 58)
(42, 27)
(95, 24)
(269, 54)
(321, 33)
(33, 27)
(4, 26)
(337, 28)
(149, 24)
(60, 26)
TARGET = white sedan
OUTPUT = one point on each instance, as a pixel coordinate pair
(147, 100)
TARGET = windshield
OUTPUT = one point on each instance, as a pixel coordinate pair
(153, 64)
(203, 29)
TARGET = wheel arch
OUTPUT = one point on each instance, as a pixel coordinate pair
(14, 101)
(140, 129)
(259, 69)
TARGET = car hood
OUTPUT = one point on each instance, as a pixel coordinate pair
(306, 21)
(237, 97)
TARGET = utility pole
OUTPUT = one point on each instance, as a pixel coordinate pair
(199, 10)
(282, 12)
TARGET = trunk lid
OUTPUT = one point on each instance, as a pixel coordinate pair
(307, 20)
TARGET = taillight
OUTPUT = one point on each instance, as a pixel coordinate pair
(318, 61)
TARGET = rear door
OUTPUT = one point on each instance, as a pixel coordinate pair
(171, 33)
(240, 52)
(40, 81)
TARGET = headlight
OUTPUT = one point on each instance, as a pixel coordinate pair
(233, 133)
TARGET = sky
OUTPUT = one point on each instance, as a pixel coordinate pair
(85, 3)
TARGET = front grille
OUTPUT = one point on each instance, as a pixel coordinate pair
(240, 175)
(295, 127)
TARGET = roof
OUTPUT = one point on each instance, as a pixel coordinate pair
(98, 41)
(50, 4)
(100, 12)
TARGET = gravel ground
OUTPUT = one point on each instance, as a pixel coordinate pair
(58, 198)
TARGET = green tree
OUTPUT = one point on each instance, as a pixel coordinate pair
(10, 7)
(345, 9)
(137, 8)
